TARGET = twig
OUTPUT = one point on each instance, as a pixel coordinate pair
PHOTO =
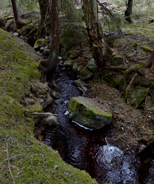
(44, 113)
(9, 163)
(128, 87)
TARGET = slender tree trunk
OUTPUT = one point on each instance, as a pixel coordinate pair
(45, 10)
(94, 31)
(54, 49)
(128, 11)
(16, 14)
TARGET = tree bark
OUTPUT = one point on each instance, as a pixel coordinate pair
(128, 11)
(94, 31)
(45, 10)
(54, 49)
(16, 14)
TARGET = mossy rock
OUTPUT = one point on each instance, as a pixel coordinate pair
(26, 29)
(85, 74)
(92, 65)
(85, 112)
(140, 93)
(117, 60)
(68, 63)
(74, 54)
(39, 43)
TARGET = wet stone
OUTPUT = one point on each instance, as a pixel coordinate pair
(51, 121)
(59, 101)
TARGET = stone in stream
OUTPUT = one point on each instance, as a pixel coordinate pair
(54, 94)
(51, 120)
(59, 101)
(48, 101)
(86, 113)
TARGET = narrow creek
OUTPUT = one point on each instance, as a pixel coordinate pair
(89, 150)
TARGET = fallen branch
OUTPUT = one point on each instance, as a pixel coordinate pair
(44, 113)
(7, 149)
(128, 87)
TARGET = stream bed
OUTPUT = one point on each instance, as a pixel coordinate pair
(89, 150)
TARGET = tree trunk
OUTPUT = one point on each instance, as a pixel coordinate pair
(94, 31)
(54, 49)
(16, 14)
(128, 11)
(150, 60)
(45, 11)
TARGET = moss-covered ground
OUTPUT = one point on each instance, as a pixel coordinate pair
(23, 159)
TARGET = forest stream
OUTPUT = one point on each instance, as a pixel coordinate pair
(89, 150)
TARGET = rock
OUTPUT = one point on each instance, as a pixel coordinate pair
(48, 101)
(24, 38)
(55, 94)
(85, 73)
(75, 67)
(59, 101)
(80, 68)
(16, 34)
(92, 65)
(140, 93)
(26, 29)
(68, 63)
(39, 43)
(80, 84)
(42, 49)
(117, 60)
(85, 112)
(61, 63)
(46, 52)
(74, 54)
(51, 120)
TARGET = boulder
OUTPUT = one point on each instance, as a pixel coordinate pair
(92, 65)
(85, 73)
(74, 54)
(85, 112)
(117, 60)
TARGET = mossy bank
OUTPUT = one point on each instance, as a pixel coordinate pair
(23, 159)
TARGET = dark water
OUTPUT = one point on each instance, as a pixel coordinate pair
(89, 150)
